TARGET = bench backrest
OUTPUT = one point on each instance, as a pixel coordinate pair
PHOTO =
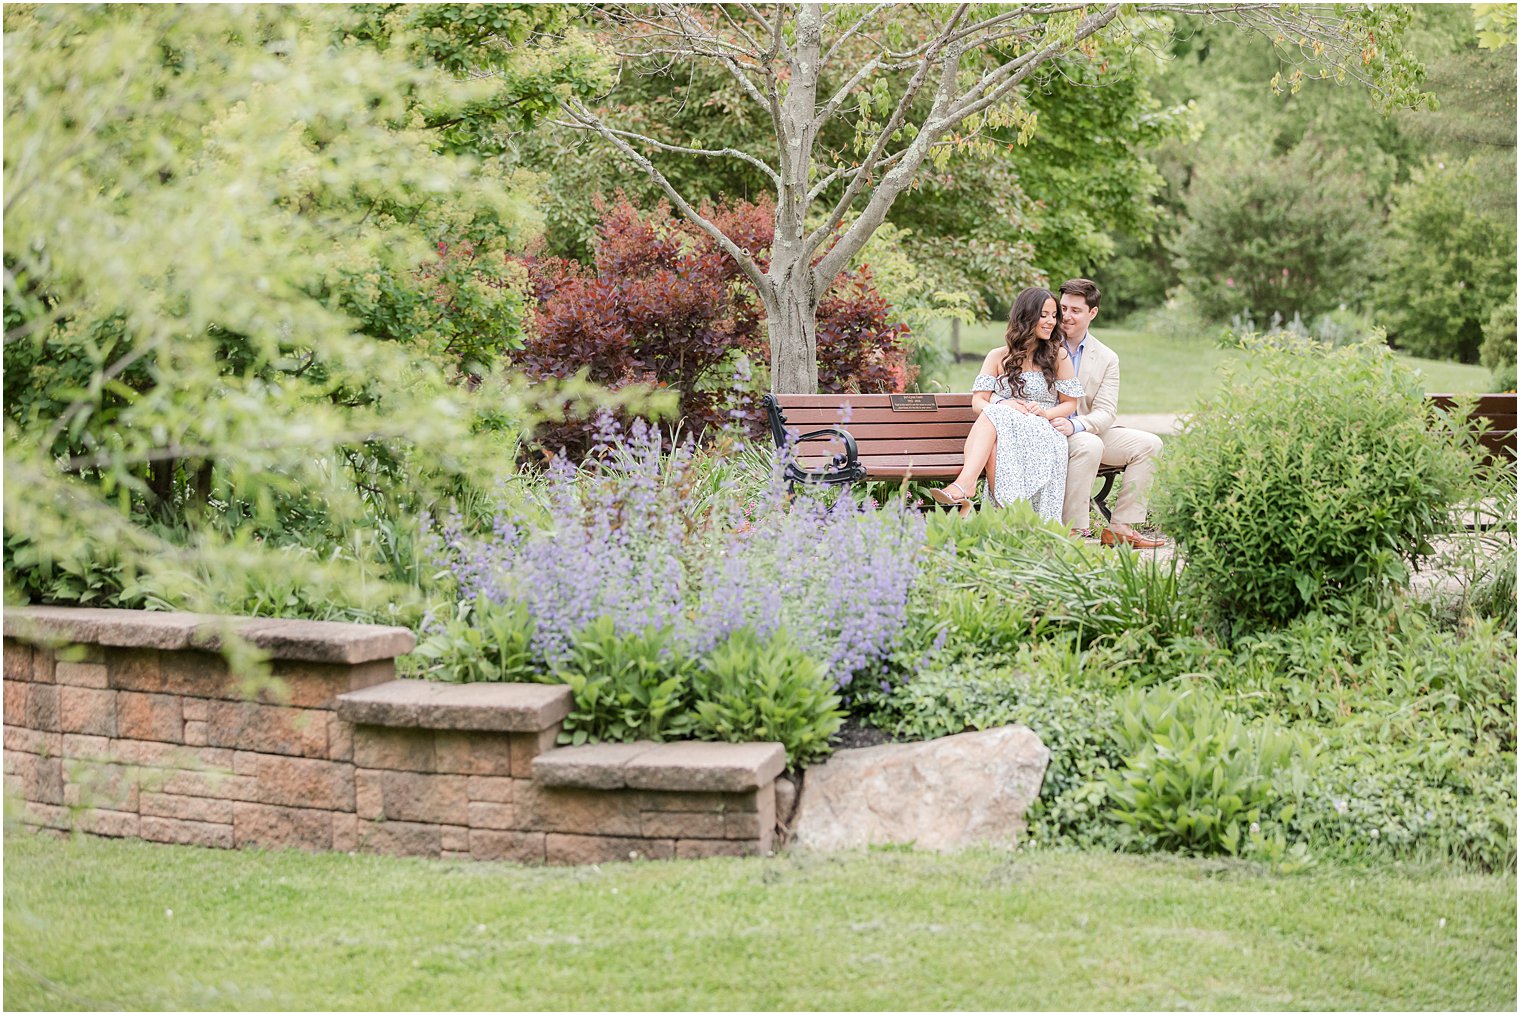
(891, 442)
(1499, 410)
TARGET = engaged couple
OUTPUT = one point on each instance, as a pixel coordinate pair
(1047, 403)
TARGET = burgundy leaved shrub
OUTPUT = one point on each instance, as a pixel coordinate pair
(659, 306)
(859, 348)
(663, 305)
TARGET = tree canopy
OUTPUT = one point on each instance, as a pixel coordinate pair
(912, 86)
(227, 297)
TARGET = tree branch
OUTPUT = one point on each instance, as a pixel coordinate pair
(681, 149)
(1014, 15)
(856, 27)
(590, 121)
(947, 112)
(1017, 70)
(842, 173)
(755, 49)
(899, 115)
(832, 105)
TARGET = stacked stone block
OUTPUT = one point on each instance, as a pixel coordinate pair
(131, 725)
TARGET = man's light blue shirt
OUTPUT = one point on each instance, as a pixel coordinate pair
(1076, 367)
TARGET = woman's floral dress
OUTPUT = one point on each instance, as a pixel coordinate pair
(1031, 454)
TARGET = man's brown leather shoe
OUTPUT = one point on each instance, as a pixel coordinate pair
(1135, 539)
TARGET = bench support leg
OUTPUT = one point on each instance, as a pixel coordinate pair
(1101, 497)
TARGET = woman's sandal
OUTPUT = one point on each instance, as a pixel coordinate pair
(941, 496)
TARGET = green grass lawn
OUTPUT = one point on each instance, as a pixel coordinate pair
(100, 924)
(1163, 373)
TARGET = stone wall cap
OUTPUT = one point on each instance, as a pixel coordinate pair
(588, 766)
(699, 766)
(305, 640)
(429, 704)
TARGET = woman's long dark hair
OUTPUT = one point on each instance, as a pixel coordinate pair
(1020, 338)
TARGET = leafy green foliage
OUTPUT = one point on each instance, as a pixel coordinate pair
(626, 687)
(1030, 577)
(211, 220)
(1338, 724)
(1217, 71)
(1194, 778)
(1278, 235)
(1322, 484)
(748, 689)
(1446, 267)
(484, 641)
(1495, 24)
(1498, 350)
(520, 59)
(641, 687)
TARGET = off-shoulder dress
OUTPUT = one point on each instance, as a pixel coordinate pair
(1031, 454)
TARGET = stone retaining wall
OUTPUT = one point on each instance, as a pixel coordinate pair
(124, 723)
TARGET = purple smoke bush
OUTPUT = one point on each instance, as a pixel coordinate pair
(626, 540)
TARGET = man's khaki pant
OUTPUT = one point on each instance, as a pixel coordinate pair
(1137, 450)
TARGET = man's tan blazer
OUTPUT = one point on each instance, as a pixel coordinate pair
(1099, 374)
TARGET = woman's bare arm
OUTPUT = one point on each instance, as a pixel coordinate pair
(993, 365)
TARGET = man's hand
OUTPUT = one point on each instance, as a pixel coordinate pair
(1063, 426)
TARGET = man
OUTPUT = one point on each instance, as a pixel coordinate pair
(1094, 440)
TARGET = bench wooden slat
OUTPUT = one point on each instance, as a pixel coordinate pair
(1500, 412)
(833, 402)
(887, 458)
(898, 473)
(893, 431)
(941, 446)
(1487, 404)
(806, 419)
(885, 446)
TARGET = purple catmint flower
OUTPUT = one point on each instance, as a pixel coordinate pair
(622, 543)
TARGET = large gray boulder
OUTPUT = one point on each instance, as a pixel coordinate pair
(935, 794)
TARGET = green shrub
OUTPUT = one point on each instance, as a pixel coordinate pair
(645, 686)
(747, 690)
(1391, 674)
(1427, 801)
(1493, 593)
(1445, 265)
(1194, 778)
(626, 687)
(484, 641)
(1279, 235)
(1033, 579)
(1498, 349)
(1324, 483)
(1414, 724)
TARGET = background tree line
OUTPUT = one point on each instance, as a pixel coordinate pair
(1311, 201)
(1188, 168)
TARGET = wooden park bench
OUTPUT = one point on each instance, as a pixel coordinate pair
(1498, 411)
(843, 439)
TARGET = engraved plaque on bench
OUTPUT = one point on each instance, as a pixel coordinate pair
(918, 402)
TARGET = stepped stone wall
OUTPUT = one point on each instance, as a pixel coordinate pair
(126, 723)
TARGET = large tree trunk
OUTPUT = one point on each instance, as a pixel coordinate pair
(791, 315)
(792, 303)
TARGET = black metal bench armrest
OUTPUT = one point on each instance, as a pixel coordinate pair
(844, 468)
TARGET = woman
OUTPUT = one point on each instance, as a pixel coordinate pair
(1021, 388)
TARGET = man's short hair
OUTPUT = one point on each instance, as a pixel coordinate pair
(1083, 287)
